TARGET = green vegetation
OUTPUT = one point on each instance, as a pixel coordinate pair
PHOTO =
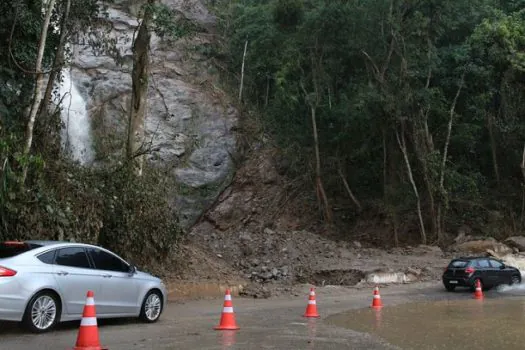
(419, 105)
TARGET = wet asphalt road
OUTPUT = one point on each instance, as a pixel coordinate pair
(265, 324)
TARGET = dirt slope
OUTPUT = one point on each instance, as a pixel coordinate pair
(256, 233)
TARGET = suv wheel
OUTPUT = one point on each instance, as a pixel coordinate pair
(449, 287)
(151, 307)
(42, 312)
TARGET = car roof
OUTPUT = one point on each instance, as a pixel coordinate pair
(44, 243)
(474, 258)
(39, 246)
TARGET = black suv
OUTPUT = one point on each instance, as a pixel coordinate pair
(490, 272)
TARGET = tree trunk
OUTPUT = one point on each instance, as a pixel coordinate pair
(402, 146)
(140, 78)
(321, 194)
(395, 226)
(349, 191)
(385, 170)
(423, 146)
(522, 166)
(242, 70)
(443, 192)
(39, 87)
(58, 62)
(490, 127)
(267, 92)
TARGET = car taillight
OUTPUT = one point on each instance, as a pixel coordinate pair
(469, 270)
(5, 272)
(14, 243)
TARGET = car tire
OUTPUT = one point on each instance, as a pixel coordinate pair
(449, 287)
(42, 313)
(515, 279)
(151, 308)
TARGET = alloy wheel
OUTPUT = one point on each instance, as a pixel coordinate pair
(43, 312)
(152, 307)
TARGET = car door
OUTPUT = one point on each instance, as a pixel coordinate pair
(501, 275)
(486, 271)
(75, 277)
(119, 290)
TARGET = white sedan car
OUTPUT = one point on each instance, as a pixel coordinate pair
(45, 282)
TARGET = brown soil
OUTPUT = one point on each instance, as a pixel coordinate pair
(256, 234)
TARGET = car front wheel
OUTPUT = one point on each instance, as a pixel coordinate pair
(42, 312)
(515, 280)
(151, 307)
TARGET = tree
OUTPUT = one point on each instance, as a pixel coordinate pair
(140, 79)
(39, 86)
(413, 101)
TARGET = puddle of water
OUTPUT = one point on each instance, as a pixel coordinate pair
(227, 339)
(462, 324)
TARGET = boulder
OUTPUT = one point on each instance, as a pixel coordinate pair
(385, 277)
(480, 247)
(516, 242)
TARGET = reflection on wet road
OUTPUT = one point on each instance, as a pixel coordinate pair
(458, 324)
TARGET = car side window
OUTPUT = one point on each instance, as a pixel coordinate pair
(106, 261)
(47, 257)
(73, 257)
(483, 263)
(496, 264)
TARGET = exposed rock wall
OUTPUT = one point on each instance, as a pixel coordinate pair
(190, 123)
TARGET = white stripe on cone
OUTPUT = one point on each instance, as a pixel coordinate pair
(227, 297)
(227, 310)
(88, 321)
(90, 301)
(311, 302)
(377, 297)
(312, 293)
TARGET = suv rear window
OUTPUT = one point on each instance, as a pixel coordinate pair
(9, 249)
(458, 264)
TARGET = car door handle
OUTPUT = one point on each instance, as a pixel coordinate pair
(107, 276)
(62, 273)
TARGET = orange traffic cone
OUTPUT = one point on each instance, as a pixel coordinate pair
(478, 294)
(228, 316)
(376, 302)
(88, 338)
(311, 308)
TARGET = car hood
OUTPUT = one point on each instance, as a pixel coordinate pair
(146, 276)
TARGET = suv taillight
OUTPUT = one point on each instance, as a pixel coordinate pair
(470, 270)
(5, 272)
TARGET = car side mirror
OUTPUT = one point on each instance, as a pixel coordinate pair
(132, 270)
(502, 267)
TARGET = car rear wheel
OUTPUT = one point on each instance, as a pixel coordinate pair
(42, 312)
(151, 307)
(450, 287)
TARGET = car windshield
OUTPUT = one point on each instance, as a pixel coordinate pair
(458, 264)
(10, 249)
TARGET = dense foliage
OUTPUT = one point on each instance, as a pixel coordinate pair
(419, 105)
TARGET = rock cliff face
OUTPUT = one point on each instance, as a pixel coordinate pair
(189, 124)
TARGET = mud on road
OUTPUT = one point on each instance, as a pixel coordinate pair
(274, 323)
